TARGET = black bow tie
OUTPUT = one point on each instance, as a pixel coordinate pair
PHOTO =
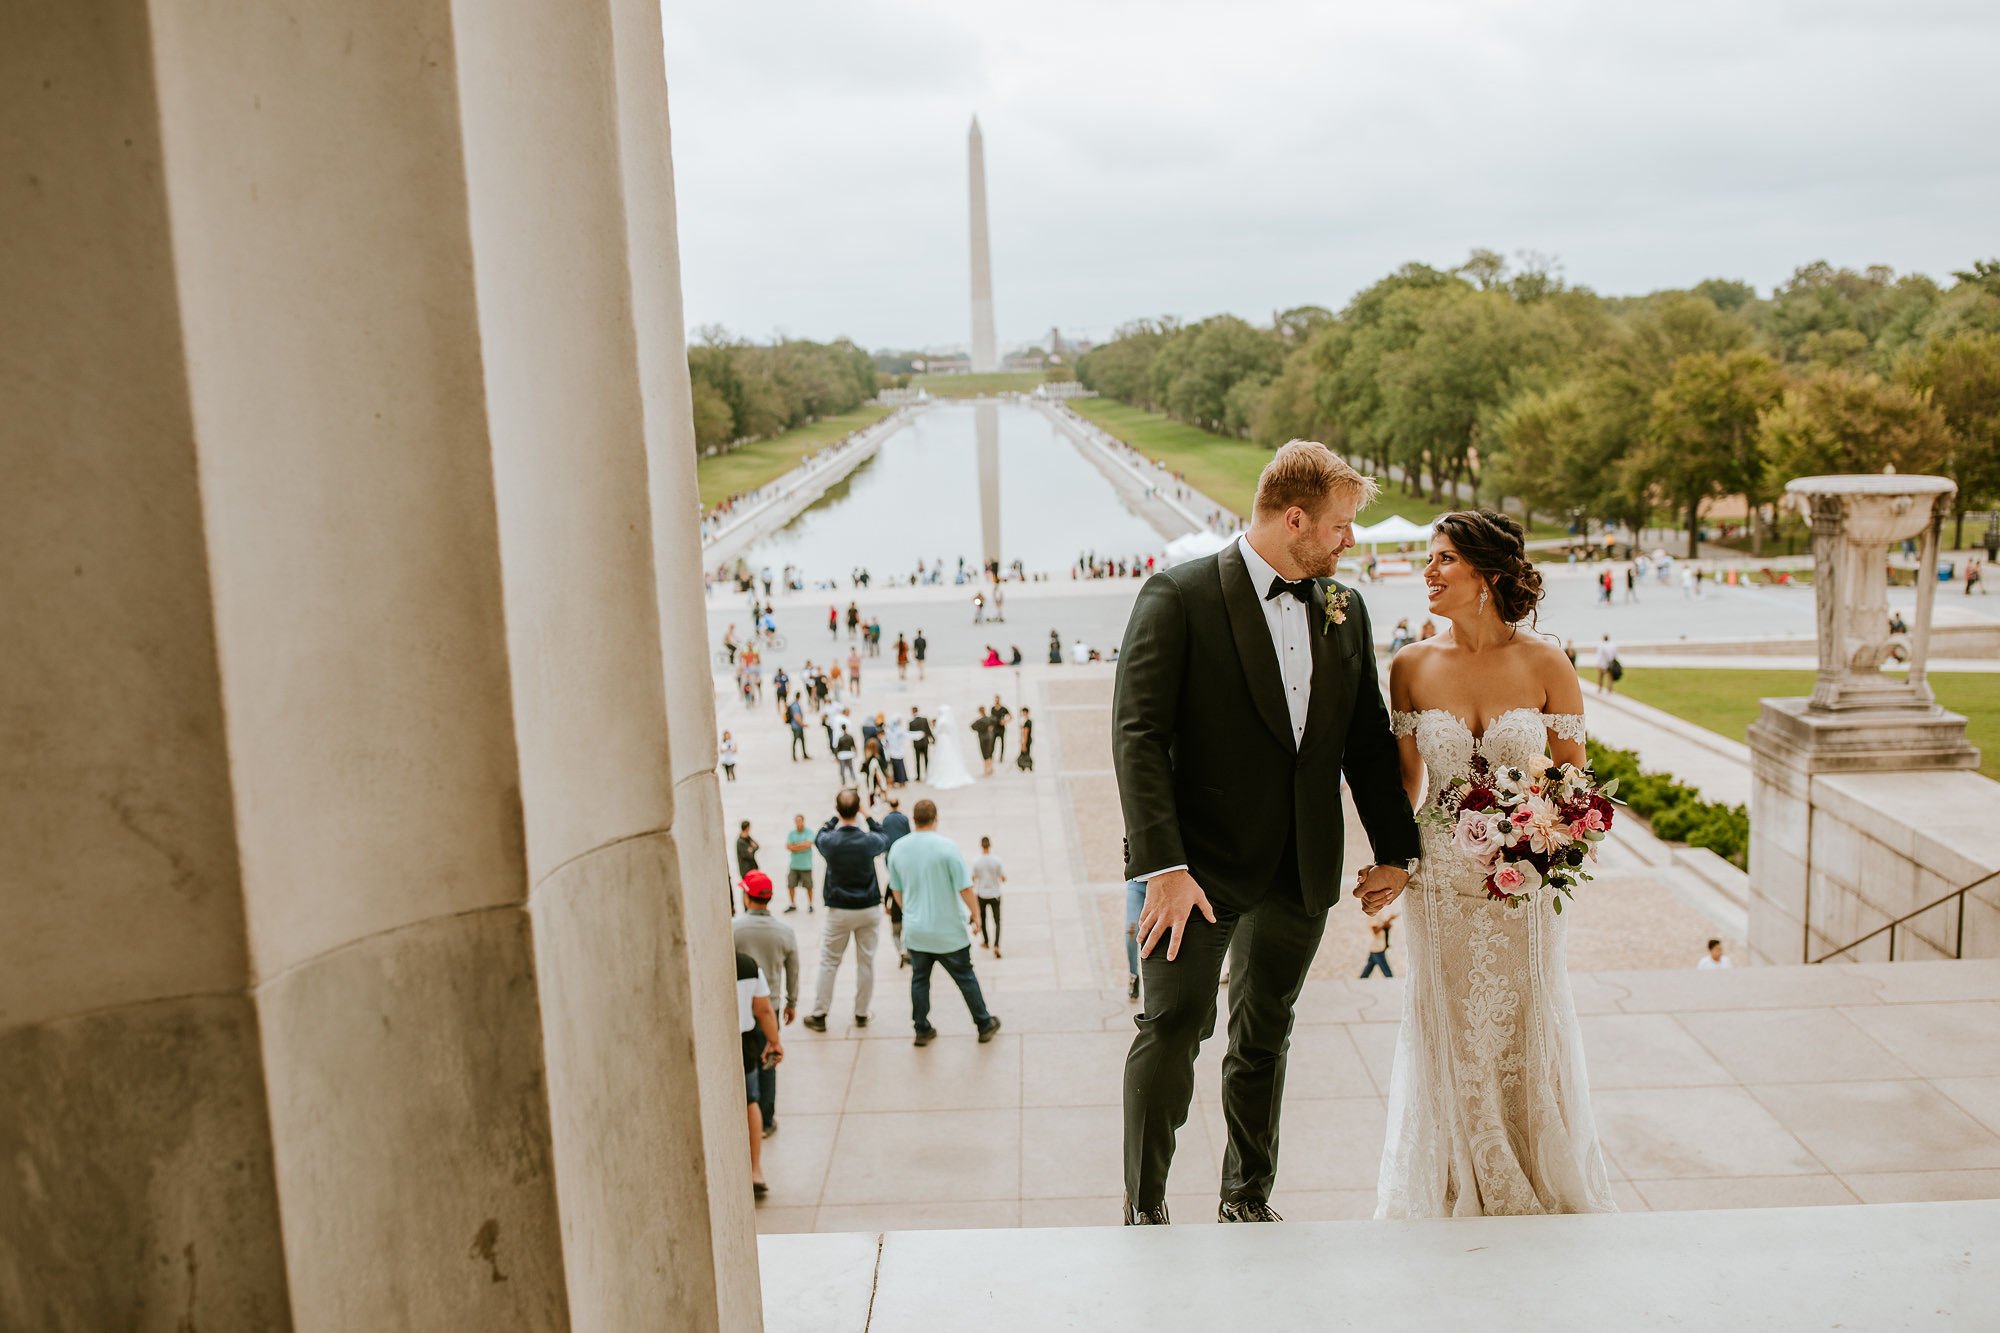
(1299, 588)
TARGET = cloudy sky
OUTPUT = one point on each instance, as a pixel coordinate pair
(1162, 157)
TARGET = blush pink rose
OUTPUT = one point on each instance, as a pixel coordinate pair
(1509, 879)
(1476, 835)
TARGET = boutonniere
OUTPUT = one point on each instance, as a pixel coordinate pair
(1336, 609)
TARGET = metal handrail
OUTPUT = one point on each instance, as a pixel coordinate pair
(1958, 947)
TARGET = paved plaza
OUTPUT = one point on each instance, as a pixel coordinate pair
(1703, 1098)
(1096, 610)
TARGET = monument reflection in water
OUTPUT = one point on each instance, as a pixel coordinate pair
(920, 498)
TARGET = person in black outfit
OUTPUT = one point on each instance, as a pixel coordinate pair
(1025, 760)
(920, 740)
(999, 712)
(920, 646)
(746, 850)
(983, 728)
(1055, 648)
(1229, 757)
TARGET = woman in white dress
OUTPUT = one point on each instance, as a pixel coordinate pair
(948, 768)
(1489, 1104)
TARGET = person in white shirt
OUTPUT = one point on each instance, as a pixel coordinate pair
(1713, 959)
(1607, 657)
(1079, 653)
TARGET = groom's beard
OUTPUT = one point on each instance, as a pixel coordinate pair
(1314, 561)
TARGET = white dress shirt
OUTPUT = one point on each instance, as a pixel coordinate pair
(1290, 623)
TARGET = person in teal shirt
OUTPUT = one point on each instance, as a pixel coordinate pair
(929, 881)
(799, 870)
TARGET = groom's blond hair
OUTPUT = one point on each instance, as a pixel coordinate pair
(1306, 473)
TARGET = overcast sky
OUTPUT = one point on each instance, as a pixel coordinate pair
(1170, 158)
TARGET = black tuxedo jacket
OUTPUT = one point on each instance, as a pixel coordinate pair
(1208, 775)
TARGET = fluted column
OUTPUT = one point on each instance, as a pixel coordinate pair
(634, 954)
(653, 258)
(136, 1185)
(320, 224)
(357, 972)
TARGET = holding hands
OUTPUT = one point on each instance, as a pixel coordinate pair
(1378, 886)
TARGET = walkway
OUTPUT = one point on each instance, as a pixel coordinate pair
(1023, 1131)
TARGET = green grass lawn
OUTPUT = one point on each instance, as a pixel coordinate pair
(975, 386)
(751, 465)
(1725, 700)
(1227, 468)
(1223, 468)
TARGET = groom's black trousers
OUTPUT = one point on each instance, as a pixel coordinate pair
(1270, 947)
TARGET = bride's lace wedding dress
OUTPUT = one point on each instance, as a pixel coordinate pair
(1489, 1105)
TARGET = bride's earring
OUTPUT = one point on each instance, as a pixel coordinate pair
(1484, 595)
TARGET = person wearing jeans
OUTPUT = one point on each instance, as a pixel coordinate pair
(927, 875)
(1135, 902)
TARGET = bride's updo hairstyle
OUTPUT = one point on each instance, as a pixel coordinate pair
(1496, 548)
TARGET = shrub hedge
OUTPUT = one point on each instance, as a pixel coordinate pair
(1674, 809)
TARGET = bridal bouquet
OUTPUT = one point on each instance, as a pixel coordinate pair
(1532, 828)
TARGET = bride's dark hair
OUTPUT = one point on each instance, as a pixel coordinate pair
(1497, 549)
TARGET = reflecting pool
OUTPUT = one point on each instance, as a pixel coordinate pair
(920, 498)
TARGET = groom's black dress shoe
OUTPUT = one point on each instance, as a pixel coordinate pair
(1246, 1210)
(1155, 1216)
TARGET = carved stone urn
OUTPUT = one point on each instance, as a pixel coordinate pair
(1858, 717)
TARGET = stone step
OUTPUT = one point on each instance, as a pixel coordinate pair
(1901, 1266)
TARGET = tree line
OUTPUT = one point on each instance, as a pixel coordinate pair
(749, 391)
(1502, 380)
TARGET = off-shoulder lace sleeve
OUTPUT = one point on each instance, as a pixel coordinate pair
(1402, 724)
(1567, 726)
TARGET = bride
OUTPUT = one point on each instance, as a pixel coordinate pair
(948, 768)
(1489, 1104)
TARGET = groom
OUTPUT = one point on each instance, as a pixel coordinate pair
(1246, 686)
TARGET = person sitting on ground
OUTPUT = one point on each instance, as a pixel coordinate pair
(1714, 959)
(992, 658)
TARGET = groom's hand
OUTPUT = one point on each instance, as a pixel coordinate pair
(1378, 886)
(1171, 899)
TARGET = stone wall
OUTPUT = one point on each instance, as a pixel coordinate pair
(1837, 855)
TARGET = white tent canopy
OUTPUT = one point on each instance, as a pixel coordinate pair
(1394, 528)
(1194, 545)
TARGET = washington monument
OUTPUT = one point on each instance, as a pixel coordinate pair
(985, 356)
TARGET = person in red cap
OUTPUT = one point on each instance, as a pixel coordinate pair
(776, 950)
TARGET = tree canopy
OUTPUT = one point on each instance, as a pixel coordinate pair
(1500, 378)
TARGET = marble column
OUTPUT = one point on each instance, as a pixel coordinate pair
(722, 1210)
(350, 874)
(626, 962)
(985, 350)
(136, 1180)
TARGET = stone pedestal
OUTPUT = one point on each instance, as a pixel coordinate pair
(1859, 790)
